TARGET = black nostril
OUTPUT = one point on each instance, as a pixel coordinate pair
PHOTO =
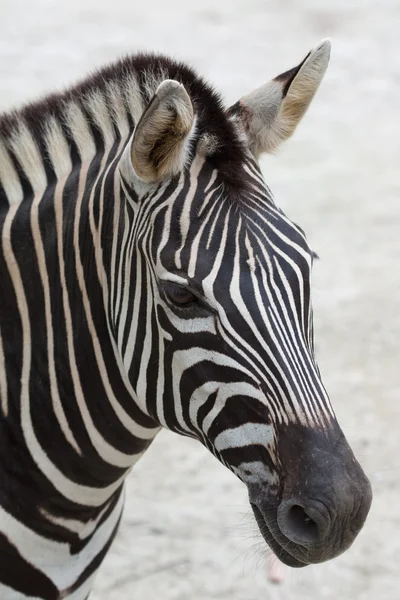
(302, 523)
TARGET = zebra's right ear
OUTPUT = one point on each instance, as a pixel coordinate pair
(160, 144)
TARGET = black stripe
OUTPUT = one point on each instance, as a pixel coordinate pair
(22, 576)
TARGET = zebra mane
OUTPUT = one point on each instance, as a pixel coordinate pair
(122, 90)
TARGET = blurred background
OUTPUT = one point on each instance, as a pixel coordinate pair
(188, 533)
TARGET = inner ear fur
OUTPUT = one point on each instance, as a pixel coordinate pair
(160, 142)
(270, 114)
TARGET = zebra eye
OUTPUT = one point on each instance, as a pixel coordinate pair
(179, 295)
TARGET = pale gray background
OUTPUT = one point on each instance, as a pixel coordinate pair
(188, 533)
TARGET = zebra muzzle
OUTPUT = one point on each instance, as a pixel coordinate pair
(324, 499)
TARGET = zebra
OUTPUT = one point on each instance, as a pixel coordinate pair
(149, 281)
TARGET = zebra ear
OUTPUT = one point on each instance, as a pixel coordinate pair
(270, 114)
(160, 142)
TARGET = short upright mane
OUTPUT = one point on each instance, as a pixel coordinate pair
(146, 71)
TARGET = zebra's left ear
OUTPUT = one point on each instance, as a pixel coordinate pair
(270, 114)
(160, 144)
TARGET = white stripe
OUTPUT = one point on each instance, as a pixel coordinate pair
(59, 413)
(194, 251)
(245, 435)
(185, 221)
(26, 151)
(117, 107)
(116, 217)
(9, 178)
(224, 392)
(80, 132)
(82, 528)
(55, 558)
(97, 107)
(122, 277)
(133, 97)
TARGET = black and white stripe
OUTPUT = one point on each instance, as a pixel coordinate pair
(95, 356)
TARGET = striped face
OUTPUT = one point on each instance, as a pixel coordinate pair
(233, 275)
(221, 284)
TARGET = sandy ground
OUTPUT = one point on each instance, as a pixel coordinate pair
(187, 532)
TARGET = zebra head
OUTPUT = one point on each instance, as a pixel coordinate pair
(222, 349)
